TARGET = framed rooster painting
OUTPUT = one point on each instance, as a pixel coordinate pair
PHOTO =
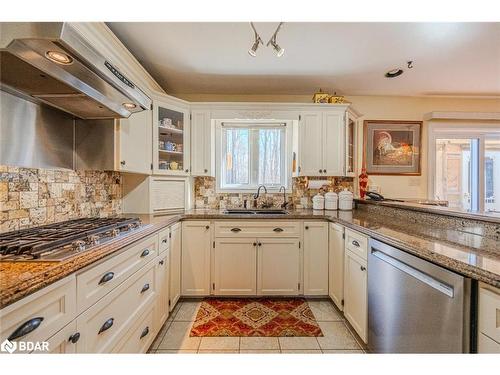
(392, 147)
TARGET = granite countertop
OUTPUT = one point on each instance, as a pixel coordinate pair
(470, 254)
(19, 279)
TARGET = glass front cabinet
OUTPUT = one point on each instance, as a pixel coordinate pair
(171, 125)
(350, 144)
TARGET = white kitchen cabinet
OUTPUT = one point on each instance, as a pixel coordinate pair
(171, 136)
(64, 341)
(321, 143)
(489, 319)
(135, 143)
(202, 144)
(356, 293)
(175, 264)
(162, 282)
(315, 258)
(278, 266)
(336, 264)
(235, 266)
(196, 241)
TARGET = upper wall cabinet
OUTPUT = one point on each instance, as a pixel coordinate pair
(135, 142)
(202, 143)
(351, 135)
(171, 128)
(321, 143)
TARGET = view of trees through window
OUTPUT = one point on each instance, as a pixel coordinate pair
(253, 156)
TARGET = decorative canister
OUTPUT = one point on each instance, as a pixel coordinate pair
(331, 200)
(318, 202)
(345, 200)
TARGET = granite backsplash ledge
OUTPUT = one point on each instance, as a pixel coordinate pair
(206, 196)
(32, 197)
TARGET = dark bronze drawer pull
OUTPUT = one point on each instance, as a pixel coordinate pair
(363, 268)
(145, 288)
(107, 277)
(161, 262)
(355, 243)
(278, 230)
(164, 240)
(145, 332)
(25, 328)
(145, 253)
(236, 230)
(74, 338)
(107, 325)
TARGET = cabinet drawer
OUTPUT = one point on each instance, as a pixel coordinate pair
(357, 243)
(489, 314)
(60, 343)
(257, 229)
(55, 305)
(164, 240)
(485, 345)
(103, 278)
(140, 336)
(105, 323)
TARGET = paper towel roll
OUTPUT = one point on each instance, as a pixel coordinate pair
(317, 184)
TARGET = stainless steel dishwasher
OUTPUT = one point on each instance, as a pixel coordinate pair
(415, 306)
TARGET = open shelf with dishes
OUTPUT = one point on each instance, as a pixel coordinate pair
(171, 126)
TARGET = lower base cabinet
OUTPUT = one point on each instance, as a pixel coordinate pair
(140, 335)
(315, 258)
(356, 293)
(336, 265)
(175, 265)
(278, 267)
(162, 275)
(235, 267)
(195, 263)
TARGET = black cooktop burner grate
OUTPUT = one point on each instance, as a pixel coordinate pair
(79, 233)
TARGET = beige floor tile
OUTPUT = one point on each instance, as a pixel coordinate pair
(355, 351)
(160, 335)
(300, 351)
(324, 310)
(295, 343)
(336, 336)
(177, 337)
(259, 351)
(179, 351)
(216, 351)
(187, 312)
(259, 343)
(220, 343)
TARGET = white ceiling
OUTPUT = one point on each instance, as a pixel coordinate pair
(351, 58)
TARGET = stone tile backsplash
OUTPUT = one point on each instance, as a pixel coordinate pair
(205, 195)
(32, 197)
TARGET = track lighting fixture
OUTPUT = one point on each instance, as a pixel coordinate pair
(277, 49)
(253, 50)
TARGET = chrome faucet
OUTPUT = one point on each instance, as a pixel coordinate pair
(285, 202)
(256, 195)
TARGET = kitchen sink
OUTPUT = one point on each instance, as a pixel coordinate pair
(232, 211)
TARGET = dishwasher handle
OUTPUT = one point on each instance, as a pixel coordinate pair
(419, 275)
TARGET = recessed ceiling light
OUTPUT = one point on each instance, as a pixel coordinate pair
(394, 73)
(129, 105)
(59, 57)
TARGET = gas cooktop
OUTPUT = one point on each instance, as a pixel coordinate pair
(57, 242)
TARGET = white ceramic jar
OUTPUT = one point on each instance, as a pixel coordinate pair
(331, 200)
(318, 202)
(345, 200)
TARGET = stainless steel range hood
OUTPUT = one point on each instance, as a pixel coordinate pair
(54, 64)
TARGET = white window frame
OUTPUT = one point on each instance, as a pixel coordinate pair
(473, 129)
(287, 160)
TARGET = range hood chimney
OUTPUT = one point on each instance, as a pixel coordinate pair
(52, 63)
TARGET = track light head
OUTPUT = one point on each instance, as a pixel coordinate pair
(277, 49)
(253, 50)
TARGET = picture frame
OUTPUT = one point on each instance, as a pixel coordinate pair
(392, 147)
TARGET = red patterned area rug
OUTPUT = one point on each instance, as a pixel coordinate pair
(263, 317)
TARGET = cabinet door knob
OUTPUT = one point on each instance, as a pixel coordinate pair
(161, 262)
(144, 332)
(25, 328)
(260, 244)
(255, 243)
(187, 170)
(363, 268)
(122, 162)
(206, 170)
(307, 227)
(324, 170)
(207, 227)
(107, 325)
(355, 243)
(74, 338)
(145, 288)
(320, 171)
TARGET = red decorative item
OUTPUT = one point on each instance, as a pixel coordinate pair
(363, 183)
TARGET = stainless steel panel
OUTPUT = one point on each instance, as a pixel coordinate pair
(33, 135)
(94, 145)
(415, 306)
